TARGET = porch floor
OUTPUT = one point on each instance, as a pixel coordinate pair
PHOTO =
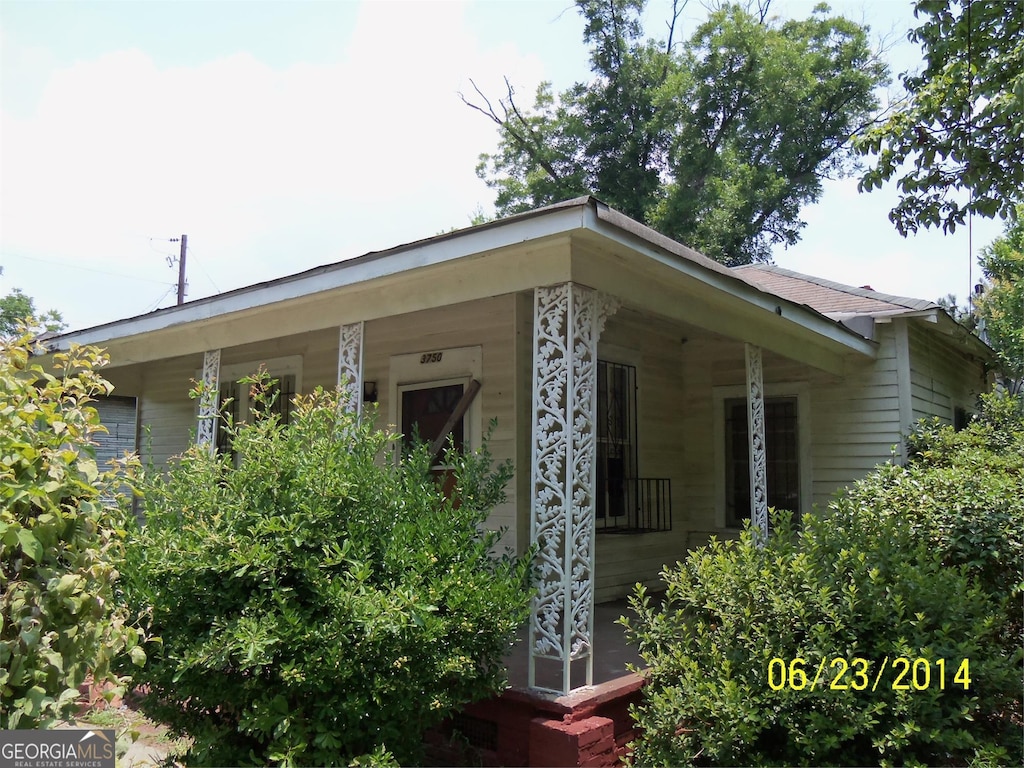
(612, 654)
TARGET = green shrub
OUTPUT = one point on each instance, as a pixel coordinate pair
(964, 493)
(848, 587)
(915, 562)
(60, 538)
(317, 600)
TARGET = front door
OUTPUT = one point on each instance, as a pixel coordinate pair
(425, 409)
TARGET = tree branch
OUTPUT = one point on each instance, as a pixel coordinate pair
(535, 149)
(489, 112)
(525, 139)
(677, 9)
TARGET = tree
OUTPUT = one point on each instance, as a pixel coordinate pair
(16, 307)
(716, 142)
(1001, 304)
(961, 128)
(60, 538)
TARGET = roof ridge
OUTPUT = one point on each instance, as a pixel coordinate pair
(867, 293)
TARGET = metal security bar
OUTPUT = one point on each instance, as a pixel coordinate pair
(654, 504)
(648, 508)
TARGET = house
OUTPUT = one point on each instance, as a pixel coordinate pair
(649, 397)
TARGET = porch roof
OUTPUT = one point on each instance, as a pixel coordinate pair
(507, 255)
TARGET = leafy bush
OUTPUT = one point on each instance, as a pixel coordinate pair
(963, 492)
(317, 600)
(60, 537)
(915, 562)
(848, 587)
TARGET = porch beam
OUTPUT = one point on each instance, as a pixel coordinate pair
(206, 431)
(568, 320)
(350, 364)
(755, 424)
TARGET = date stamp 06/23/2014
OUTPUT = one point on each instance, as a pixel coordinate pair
(857, 674)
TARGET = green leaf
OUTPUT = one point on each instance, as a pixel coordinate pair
(88, 468)
(30, 544)
(138, 656)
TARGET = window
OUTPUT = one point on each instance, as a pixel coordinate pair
(782, 455)
(961, 418)
(624, 502)
(616, 440)
(235, 401)
(119, 415)
(234, 397)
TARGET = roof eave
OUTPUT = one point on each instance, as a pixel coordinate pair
(715, 275)
(585, 213)
(532, 225)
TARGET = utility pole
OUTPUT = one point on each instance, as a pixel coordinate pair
(181, 270)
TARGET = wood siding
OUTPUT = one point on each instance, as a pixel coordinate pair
(852, 421)
(167, 415)
(855, 420)
(942, 377)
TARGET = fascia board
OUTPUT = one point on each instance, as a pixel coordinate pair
(943, 323)
(359, 270)
(734, 286)
(928, 315)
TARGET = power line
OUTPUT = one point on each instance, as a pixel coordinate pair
(192, 250)
(79, 266)
(156, 303)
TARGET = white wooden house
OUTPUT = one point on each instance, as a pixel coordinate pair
(620, 366)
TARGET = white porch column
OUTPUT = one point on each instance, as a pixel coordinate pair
(206, 434)
(567, 321)
(755, 423)
(350, 363)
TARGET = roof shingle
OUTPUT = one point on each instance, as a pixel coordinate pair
(826, 296)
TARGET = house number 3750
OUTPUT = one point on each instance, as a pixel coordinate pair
(430, 357)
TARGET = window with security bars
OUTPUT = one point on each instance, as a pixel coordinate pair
(624, 502)
(235, 401)
(782, 457)
(616, 440)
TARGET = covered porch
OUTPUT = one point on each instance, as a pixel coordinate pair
(627, 476)
(612, 411)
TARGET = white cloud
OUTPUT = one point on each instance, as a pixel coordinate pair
(269, 171)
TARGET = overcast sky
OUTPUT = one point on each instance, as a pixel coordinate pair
(280, 136)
